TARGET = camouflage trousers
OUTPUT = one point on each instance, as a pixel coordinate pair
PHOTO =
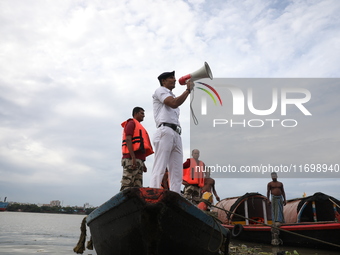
(192, 193)
(132, 177)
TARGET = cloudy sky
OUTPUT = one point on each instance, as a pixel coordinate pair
(71, 72)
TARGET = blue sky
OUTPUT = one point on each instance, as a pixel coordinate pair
(71, 72)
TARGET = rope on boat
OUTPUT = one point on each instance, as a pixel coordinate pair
(80, 247)
(275, 227)
(89, 245)
(217, 222)
(334, 203)
(221, 236)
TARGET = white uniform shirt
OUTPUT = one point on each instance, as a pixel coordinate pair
(162, 112)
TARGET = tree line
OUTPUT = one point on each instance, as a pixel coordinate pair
(15, 207)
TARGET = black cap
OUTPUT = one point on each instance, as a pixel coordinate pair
(165, 75)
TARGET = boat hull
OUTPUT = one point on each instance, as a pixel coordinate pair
(3, 206)
(154, 221)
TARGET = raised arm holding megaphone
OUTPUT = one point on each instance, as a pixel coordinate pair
(203, 72)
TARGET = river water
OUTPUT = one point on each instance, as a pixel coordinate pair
(42, 233)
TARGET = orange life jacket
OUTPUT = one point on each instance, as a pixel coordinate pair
(194, 174)
(140, 139)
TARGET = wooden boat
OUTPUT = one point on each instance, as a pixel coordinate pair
(313, 221)
(154, 222)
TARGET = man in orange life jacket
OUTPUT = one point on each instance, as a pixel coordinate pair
(136, 146)
(193, 177)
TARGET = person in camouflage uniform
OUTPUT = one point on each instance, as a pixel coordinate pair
(136, 146)
(193, 177)
(132, 174)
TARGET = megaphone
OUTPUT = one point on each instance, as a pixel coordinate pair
(203, 72)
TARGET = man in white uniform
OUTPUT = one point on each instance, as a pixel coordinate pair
(167, 140)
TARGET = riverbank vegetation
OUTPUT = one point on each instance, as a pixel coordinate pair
(16, 207)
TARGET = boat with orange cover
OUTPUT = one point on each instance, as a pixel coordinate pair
(312, 221)
(155, 221)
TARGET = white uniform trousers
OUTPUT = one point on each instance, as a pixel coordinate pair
(168, 153)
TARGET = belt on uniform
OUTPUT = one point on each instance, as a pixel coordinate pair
(176, 128)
